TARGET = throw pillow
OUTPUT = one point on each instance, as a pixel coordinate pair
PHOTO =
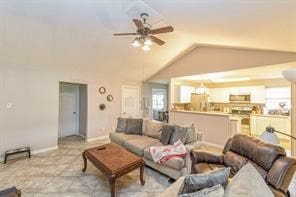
(153, 128)
(191, 134)
(121, 125)
(196, 182)
(215, 191)
(134, 126)
(180, 133)
(166, 132)
(248, 182)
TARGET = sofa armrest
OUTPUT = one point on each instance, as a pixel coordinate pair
(189, 147)
(206, 157)
(174, 189)
(281, 173)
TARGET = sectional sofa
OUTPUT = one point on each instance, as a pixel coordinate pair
(139, 143)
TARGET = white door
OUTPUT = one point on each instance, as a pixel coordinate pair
(130, 102)
(68, 111)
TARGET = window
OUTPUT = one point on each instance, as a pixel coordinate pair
(277, 97)
(158, 101)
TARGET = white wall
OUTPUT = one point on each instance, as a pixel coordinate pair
(35, 56)
(211, 59)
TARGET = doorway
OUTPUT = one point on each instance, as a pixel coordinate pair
(72, 109)
(130, 102)
(159, 104)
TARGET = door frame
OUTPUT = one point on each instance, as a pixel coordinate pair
(138, 95)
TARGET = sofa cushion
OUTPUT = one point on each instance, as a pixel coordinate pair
(235, 161)
(137, 144)
(180, 133)
(121, 125)
(196, 182)
(152, 128)
(134, 126)
(258, 151)
(166, 133)
(120, 138)
(176, 162)
(215, 191)
(247, 182)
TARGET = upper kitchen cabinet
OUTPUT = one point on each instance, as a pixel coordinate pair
(219, 95)
(257, 94)
(185, 93)
(182, 94)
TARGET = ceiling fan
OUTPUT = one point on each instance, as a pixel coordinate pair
(145, 33)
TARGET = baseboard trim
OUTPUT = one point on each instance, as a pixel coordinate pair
(97, 138)
(44, 150)
(212, 144)
(34, 152)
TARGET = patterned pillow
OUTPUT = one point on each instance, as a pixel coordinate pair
(134, 126)
(180, 133)
(121, 125)
(196, 182)
(166, 132)
(191, 134)
(215, 191)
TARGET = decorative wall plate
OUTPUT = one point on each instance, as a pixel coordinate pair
(109, 98)
(102, 107)
(102, 90)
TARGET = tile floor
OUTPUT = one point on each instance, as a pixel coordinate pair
(58, 173)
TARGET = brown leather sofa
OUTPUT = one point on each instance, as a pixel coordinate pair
(270, 160)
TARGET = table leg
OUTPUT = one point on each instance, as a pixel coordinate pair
(112, 181)
(142, 174)
(84, 162)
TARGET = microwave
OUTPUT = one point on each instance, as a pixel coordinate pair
(240, 98)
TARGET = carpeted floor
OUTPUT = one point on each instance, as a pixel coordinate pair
(58, 173)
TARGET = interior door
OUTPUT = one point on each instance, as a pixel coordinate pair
(68, 111)
(130, 102)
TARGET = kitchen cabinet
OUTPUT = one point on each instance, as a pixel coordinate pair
(258, 124)
(219, 95)
(182, 94)
(257, 94)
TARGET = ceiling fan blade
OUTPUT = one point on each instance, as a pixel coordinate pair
(162, 30)
(138, 23)
(156, 40)
(125, 34)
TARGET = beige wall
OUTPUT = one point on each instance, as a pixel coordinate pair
(34, 57)
(209, 59)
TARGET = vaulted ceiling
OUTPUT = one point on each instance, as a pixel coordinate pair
(75, 33)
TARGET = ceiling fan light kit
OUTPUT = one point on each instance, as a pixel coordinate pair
(146, 34)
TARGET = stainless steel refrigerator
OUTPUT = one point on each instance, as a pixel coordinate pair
(199, 102)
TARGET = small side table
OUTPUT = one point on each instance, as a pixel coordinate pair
(17, 151)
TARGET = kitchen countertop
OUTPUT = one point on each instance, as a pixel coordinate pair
(203, 112)
(272, 116)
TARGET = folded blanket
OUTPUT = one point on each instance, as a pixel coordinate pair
(161, 154)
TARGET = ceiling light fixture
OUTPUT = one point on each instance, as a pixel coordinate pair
(136, 43)
(148, 42)
(290, 74)
(146, 48)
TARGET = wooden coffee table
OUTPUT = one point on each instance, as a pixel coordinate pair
(113, 161)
